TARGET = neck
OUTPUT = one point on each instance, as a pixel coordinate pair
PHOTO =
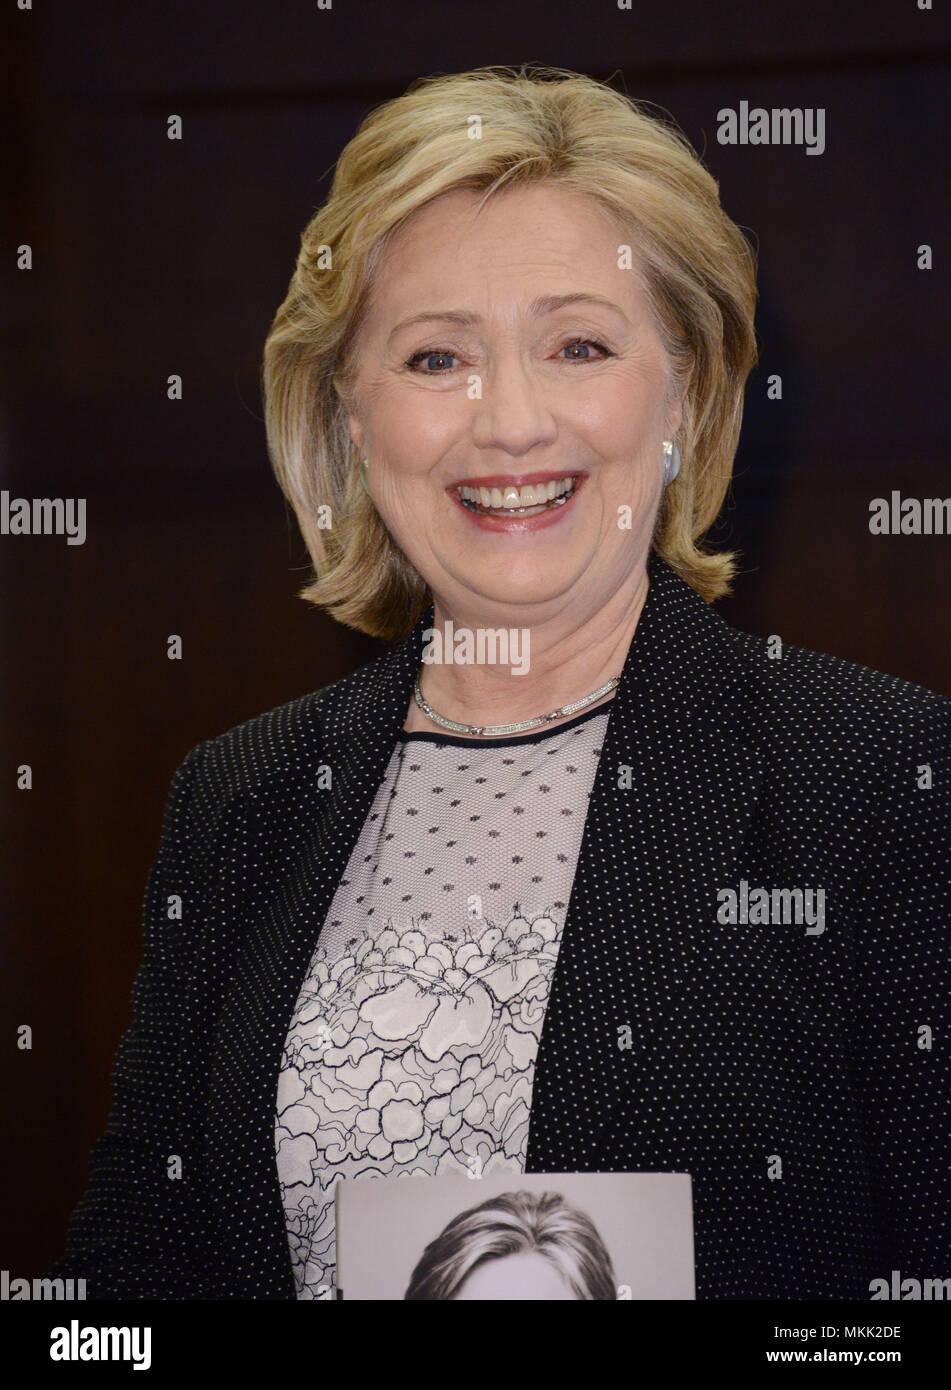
(560, 660)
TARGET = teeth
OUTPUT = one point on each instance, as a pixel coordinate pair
(518, 498)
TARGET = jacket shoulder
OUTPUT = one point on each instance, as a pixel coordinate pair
(280, 744)
(808, 693)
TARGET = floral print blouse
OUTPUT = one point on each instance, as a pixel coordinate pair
(413, 1042)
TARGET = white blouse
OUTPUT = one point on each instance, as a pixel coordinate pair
(413, 1042)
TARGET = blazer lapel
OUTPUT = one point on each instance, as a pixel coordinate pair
(671, 805)
(352, 732)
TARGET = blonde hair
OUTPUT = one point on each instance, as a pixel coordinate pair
(537, 124)
(515, 1223)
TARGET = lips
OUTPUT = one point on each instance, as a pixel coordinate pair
(516, 479)
(524, 500)
(517, 504)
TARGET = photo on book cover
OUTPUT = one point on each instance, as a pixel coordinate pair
(532, 1236)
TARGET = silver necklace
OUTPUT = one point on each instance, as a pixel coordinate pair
(496, 730)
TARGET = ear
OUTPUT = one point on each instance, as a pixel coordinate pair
(674, 409)
(353, 424)
(675, 406)
(356, 432)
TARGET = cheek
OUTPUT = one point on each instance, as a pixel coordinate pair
(413, 428)
(621, 413)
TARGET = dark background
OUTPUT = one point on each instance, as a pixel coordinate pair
(154, 256)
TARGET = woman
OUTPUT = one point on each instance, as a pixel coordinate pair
(576, 877)
(519, 1245)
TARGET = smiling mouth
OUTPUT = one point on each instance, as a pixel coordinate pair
(517, 501)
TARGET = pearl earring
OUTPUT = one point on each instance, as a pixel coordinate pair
(671, 461)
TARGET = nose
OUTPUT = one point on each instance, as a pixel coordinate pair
(512, 414)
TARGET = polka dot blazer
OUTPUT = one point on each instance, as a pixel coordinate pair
(706, 1015)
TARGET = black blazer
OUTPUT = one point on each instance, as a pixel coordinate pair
(790, 1073)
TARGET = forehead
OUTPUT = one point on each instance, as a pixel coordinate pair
(520, 242)
(523, 1275)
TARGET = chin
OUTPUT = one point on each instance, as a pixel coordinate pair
(517, 591)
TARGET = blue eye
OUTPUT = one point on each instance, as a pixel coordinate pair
(439, 361)
(584, 345)
(430, 356)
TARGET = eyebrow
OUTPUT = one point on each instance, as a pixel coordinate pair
(545, 304)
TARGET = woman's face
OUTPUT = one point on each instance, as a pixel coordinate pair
(506, 348)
